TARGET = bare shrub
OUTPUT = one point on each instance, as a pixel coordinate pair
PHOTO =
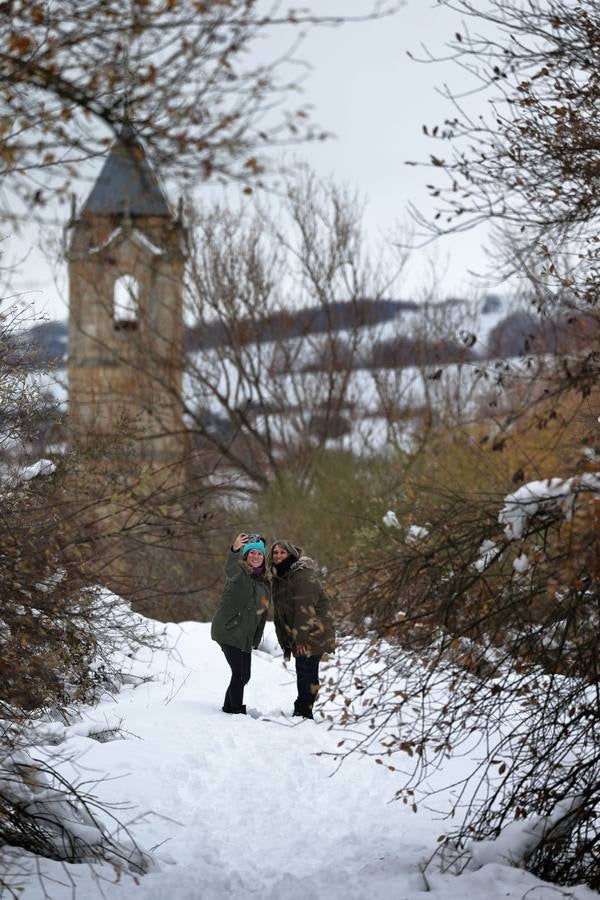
(477, 613)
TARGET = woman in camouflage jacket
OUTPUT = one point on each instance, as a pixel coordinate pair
(303, 619)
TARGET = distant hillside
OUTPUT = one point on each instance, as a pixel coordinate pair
(339, 316)
(500, 333)
(42, 345)
(48, 340)
(521, 333)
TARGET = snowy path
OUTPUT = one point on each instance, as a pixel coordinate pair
(243, 808)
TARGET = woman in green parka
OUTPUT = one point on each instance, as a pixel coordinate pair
(239, 621)
(303, 619)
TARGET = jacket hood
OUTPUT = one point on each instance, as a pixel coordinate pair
(305, 562)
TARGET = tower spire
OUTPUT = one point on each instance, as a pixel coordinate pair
(126, 184)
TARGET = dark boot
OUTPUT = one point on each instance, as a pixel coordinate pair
(228, 708)
(301, 709)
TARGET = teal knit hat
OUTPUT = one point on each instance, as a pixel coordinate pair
(254, 545)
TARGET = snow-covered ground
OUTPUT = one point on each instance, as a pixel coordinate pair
(241, 807)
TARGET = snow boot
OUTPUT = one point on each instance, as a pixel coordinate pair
(302, 709)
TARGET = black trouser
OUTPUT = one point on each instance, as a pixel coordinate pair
(307, 679)
(239, 663)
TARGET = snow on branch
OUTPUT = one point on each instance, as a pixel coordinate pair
(543, 497)
(40, 467)
(488, 553)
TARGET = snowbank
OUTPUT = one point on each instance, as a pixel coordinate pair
(241, 807)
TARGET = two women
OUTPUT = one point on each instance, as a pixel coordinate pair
(303, 620)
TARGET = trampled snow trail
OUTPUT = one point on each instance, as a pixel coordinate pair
(241, 808)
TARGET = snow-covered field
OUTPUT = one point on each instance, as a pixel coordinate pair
(217, 381)
(241, 807)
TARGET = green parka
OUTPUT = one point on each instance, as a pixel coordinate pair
(302, 610)
(242, 612)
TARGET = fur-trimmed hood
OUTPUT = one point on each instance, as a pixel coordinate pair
(305, 562)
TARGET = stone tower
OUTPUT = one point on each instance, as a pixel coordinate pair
(126, 256)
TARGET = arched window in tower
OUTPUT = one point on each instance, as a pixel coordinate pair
(126, 303)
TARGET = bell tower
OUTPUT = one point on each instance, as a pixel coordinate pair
(126, 256)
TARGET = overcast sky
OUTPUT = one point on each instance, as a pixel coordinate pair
(365, 90)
